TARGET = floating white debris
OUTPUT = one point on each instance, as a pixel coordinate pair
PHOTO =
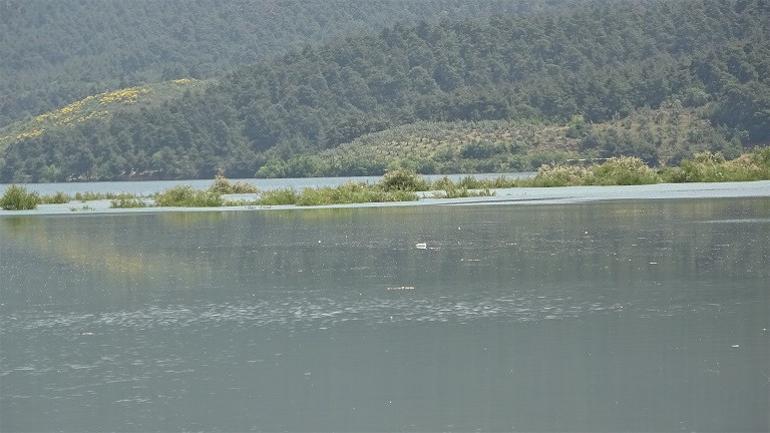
(421, 246)
(653, 263)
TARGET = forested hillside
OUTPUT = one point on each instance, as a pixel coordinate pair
(55, 52)
(600, 62)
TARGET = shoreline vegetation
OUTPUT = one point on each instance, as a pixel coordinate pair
(404, 185)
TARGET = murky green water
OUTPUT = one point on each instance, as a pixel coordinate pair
(586, 317)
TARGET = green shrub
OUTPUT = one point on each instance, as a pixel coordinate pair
(562, 175)
(127, 202)
(18, 198)
(352, 193)
(403, 180)
(712, 167)
(277, 197)
(222, 185)
(186, 196)
(57, 198)
(624, 170)
(91, 196)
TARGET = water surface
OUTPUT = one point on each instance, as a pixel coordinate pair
(617, 316)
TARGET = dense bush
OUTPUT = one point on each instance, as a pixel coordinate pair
(186, 196)
(128, 202)
(713, 167)
(281, 196)
(222, 185)
(615, 171)
(56, 198)
(18, 198)
(403, 180)
(352, 193)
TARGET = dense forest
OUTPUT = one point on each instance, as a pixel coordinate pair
(55, 52)
(592, 66)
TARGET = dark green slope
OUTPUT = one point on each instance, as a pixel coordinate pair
(602, 62)
(55, 52)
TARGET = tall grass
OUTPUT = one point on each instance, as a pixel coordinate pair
(186, 196)
(276, 197)
(713, 167)
(222, 185)
(352, 193)
(56, 198)
(18, 198)
(343, 194)
(91, 196)
(623, 170)
(127, 202)
(403, 180)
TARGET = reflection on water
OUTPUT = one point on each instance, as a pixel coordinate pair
(614, 316)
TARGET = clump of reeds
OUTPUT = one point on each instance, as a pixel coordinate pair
(127, 202)
(186, 196)
(18, 198)
(222, 185)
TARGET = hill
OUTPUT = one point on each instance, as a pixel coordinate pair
(664, 135)
(56, 52)
(600, 62)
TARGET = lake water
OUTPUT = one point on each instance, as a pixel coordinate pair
(154, 186)
(608, 316)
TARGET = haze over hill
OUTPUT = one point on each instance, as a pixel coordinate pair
(654, 79)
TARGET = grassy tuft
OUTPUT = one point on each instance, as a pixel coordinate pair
(352, 193)
(277, 197)
(56, 198)
(403, 180)
(623, 170)
(222, 185)
(713, 167)
(186, 196)
(18, 198)
(127, 202)
(91, 196)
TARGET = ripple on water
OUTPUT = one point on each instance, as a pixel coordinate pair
(314, 313)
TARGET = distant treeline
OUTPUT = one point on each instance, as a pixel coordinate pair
(55, 52)
(601, 62)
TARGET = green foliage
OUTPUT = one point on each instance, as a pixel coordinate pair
(352, 193)
(56, 198)
(615, 171)
(713, 167)
(624, 170)
(186, 196)
(275, 197)
(562, 175)
(57, 52)
(127, 202)
(587, 69)
(91, 196)
(18, 198)
(222, 185)
(343, 194)
(402, 180)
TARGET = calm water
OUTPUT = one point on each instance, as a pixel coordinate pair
(154, 186)
(616, 316)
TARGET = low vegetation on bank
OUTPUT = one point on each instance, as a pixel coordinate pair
(18, 198)
(404, 185)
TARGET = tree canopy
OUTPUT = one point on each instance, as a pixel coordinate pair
(599, 61)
